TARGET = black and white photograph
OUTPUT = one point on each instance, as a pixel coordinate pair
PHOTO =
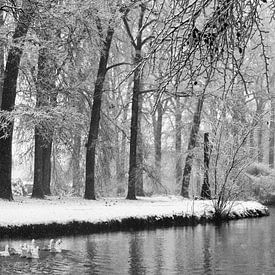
(137, 137)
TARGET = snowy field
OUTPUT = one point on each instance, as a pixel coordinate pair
(25, 211)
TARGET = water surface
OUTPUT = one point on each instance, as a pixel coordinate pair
(238, 247)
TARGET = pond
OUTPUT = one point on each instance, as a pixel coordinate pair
(238, 247)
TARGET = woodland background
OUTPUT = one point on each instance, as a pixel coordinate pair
(107, 98)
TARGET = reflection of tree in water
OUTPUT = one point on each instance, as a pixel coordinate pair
(207, 256)
(91, 254)
(136, 265)
(179, 249)
(158, 254)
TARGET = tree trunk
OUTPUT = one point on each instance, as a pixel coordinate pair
(46, 96)
(157, 140)
(47, 167)
(178, 142)
(38, 191)
(260, 142)
(259, 113)
(118, 157)
(191, 145)
(133, 138)
(140, 154)
(2, 55)
(205, 192)
(95, 116)
(272, 134)
(133, 168)
(121, 171)
(76, 157)
(8, 99)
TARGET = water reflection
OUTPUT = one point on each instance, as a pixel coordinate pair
(238, 247)
(158, 254)
(136, 265)
(91, 248)
(207, 252)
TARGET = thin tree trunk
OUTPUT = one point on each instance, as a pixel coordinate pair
(259, 112)
(191, 145)
(257, 121)
(157, 140)
(260, 142)
(251, 144)
(2, 55)
(76, 157)
(121, 172)
(131, 195)
(178, 141)
(8, 99)
(133, 168)
(38, 191)
(205, 192)
(118, 157)
(123, 158)
(140, 153)
(272, 134)
(95, 115)
(47, 167)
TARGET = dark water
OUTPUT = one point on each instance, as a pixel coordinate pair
(238, 247)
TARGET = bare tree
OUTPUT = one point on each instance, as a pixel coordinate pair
(9, 93)
(96, 108)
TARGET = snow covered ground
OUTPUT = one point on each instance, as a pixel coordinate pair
(25, 211)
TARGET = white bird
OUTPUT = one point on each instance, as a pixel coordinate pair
(13, 251)
(51, 244)
(57, 246)
(29, 253)
(24, 251)
(49, 247)
(35, 252)
(33, 244)
(5, 253)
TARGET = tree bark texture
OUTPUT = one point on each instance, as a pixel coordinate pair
(8, 98)
(205, 191)
(191, 145)
(95, 116)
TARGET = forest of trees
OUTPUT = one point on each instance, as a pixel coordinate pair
(135, 97)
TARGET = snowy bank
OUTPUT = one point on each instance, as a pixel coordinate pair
(30, 217)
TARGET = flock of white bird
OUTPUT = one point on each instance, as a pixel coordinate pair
(31, 251)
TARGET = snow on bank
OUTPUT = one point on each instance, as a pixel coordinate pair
(30, 212)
